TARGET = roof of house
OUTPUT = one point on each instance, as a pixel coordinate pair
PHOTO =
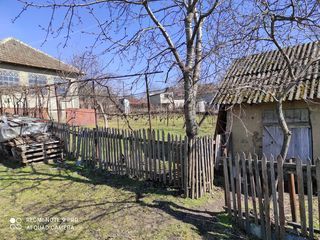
(14, 51)
(256, 78)
(158, 92)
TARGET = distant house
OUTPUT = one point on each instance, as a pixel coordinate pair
(162, 99)
(22, 67)
(205, 95)
(248, 116)
(138, 104)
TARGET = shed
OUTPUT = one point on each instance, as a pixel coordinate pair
(247, 118)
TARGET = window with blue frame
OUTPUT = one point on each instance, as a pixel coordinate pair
(9, 78)
(61, 88)
(37, 79)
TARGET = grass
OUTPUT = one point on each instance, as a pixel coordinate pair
(96, 205)
(175, 124)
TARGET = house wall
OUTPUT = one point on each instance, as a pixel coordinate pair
(161, 99)
(49, 101)
(155, 99)
(245, 123)
(178, 103)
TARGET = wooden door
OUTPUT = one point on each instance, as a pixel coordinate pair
(300, 145)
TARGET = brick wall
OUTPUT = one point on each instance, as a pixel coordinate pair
(80, 117)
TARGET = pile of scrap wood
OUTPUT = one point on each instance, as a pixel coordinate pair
(28, 140)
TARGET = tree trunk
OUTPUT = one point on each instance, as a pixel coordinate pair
(190, 90)
(105, 120)
(104, 114)
(285, 129)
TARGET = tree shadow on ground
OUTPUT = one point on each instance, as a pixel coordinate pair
(210, 225)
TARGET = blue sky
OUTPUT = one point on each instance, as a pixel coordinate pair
(29, 29)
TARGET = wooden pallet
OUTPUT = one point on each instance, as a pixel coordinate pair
(41, 148)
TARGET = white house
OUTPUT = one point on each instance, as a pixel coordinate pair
(24, 71)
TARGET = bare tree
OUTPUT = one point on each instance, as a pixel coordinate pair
(180, 36)
(277, 25)
(96, 90)
(285, 23)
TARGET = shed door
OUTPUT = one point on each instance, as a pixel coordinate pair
(300, 145)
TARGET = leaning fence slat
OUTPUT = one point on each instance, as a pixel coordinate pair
(121, 151)
(131, 153)
(292, 195)
(190, 170)
(238, 187)
(159, 156)
(226, 184)
(197, 167)
(204, 168)
(139, 154)
(164, 158)
(301, 197)
(125, 152)
(115, 159)
(281, 197)
(211, 157)
(252, 189)
(186, 166)
(145, 154)
(245, 185)
(266, 196)
(173, 159)
(207, 163)
(199, 170)
(86, 147)
(193, 174)
(310, 207)
(100, 144)
(109, 149)
(259, 194)
(154, 156)
(169, 158)
(135, 154)
(181, 154)
(274, 195)
(232, 178)
(149, 154)
(115, 151)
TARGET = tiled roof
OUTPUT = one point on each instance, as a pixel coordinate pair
(16, 52)
(255, 78)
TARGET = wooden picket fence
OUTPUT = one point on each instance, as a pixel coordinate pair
(143, 154)
(262, 193)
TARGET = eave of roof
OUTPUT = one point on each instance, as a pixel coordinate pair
(257, 78)
(13, 51)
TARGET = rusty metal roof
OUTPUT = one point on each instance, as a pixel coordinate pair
(256, 78)
(16, 52)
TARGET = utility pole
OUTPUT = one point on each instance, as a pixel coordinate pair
(148, 99)
(97, 153)
(95, 104)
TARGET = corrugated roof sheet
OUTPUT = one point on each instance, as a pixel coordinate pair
(17, 52)
(255, 78)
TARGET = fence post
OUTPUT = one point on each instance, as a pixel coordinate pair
(281, 197)
(292, 194)
(301, 196)
(186, 166)
(266, 196)
(226, 184)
